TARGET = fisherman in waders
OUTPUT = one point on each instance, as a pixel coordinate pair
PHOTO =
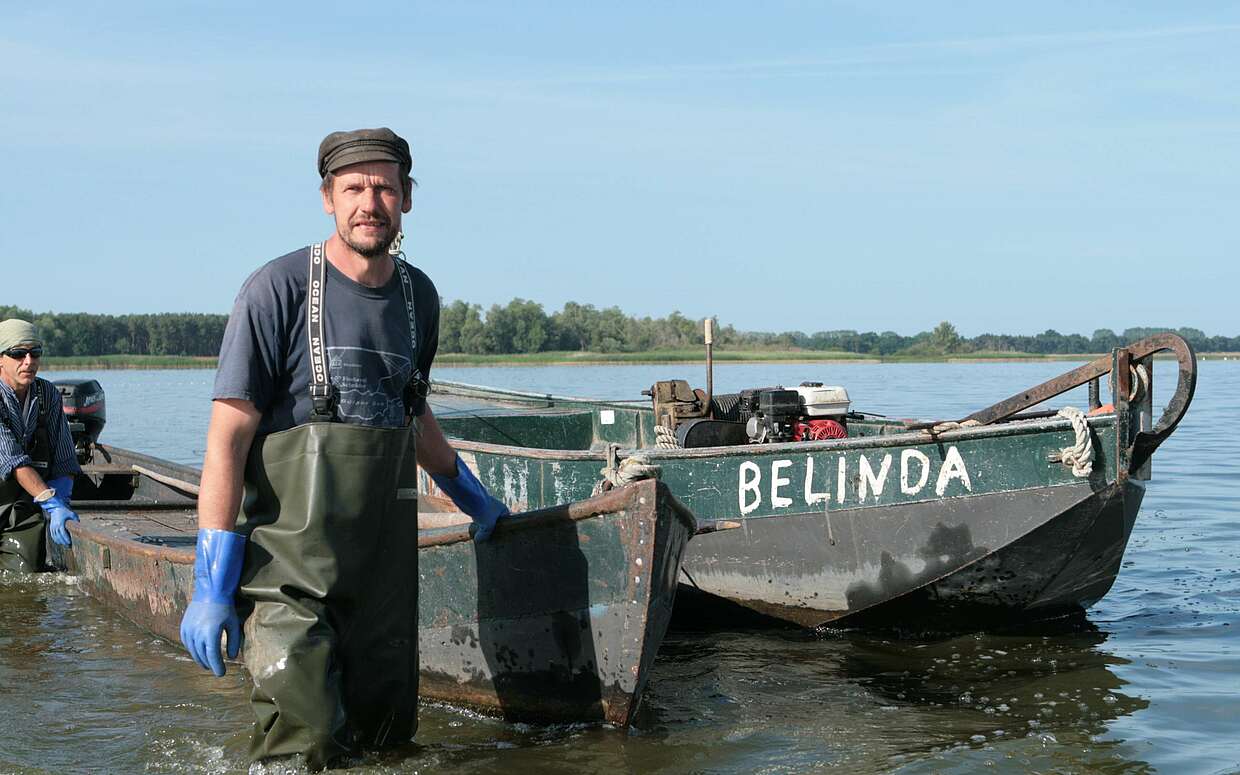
(308, 512)
(37, 460)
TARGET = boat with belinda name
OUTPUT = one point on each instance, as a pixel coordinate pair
(848, 518)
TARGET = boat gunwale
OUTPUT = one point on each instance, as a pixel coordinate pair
(468, 390)
(908, 438)
(612, 501)
(158, 552)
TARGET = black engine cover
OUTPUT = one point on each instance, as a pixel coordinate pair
(711, 433)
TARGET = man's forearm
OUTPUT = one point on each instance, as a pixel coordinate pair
(220, 495)
(435, 455)
(229, 437)
(29, 480)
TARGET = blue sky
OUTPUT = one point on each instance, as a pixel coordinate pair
(796, 165)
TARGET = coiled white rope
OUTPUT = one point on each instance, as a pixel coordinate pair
(1080, 456)
(631, 469)
(665, 437)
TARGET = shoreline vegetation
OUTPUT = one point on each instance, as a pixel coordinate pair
(522, 333)
(564, 358)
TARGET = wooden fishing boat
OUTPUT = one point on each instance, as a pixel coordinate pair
(967, 522)
(557, 617)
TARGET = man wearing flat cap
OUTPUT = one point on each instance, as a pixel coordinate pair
(308, 507)
(37, 460)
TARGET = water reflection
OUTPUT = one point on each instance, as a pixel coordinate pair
(788, 701)
(989, 688)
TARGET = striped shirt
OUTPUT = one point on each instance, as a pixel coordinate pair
(21, 420)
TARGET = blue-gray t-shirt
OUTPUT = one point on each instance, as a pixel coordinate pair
(265, 357)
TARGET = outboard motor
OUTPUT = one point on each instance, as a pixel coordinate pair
(86, 412)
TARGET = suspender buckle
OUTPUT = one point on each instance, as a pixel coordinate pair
(323, 401)
(418, 387)
(415, 393)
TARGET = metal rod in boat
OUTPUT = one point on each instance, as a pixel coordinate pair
(709, 336)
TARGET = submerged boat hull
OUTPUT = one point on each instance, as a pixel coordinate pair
(556, 618)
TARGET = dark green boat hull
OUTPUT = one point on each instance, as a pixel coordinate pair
(898, 521)
(556, 618)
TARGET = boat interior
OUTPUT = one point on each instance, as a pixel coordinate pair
(132, 496)
(554, 422)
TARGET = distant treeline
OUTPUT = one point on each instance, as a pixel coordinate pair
(524, 327)
(82, 333)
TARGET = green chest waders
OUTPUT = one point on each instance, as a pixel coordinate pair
(23, 533)
(330, 576)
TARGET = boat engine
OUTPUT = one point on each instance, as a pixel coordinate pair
(86, 412)
(769, 414)
(808, 412)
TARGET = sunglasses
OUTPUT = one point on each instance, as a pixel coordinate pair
(18, 354)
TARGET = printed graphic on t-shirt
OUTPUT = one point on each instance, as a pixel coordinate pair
(371, 384)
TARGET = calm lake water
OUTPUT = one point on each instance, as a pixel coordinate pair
(1149, 682)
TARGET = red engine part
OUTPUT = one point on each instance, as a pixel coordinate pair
(817, 430)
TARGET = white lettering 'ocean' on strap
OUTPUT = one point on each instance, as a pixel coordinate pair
(320, 386)
(406, 289)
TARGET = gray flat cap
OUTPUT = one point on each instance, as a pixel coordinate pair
(340, 149)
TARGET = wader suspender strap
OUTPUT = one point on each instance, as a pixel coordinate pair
(8, 423)
(41, 398)
(417, 387)
(42, 433)
(323, 395)
(45, 401)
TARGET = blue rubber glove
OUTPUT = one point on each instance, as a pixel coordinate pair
(217, 572)
(58, 513)
(472, 498)
(63, 485)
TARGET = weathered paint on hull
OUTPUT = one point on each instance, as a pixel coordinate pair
(148, 584)
(1037, 553)
(557, 618)
(559, 623)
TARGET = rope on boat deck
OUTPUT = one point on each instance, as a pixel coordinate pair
(1080, 456)
(952, 425)
(665, 437)
(631, 469)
